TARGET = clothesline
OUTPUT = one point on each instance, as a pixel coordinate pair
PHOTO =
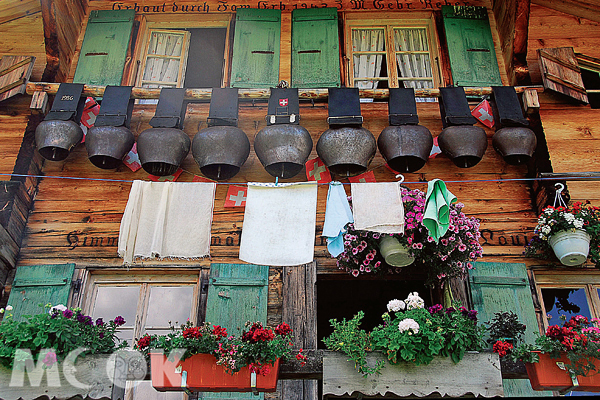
(324, 183)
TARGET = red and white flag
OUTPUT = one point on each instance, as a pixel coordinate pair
(236, 196)
(168, 178)
(317, 171)
(132, 160)
(483, 113)
(435, 150)
(363, 178)
(197, 178)
(90, 112)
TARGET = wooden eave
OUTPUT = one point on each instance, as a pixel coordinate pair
(588, 9)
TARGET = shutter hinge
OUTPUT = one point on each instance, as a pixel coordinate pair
(76, 285)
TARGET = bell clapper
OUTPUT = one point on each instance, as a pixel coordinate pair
(219, 171)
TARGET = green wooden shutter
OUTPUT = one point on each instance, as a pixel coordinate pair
(470, 46)
(37, 285)
(315, 48)
(102, 56)
(497, 287)
(237, 293)
(255, 62)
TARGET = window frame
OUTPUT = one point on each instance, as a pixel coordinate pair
(417, 20)
(168, 22)
(95, 278)
(183, 56)
(553, 279)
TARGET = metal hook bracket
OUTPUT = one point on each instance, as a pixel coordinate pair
(401, 178)
(558, 200)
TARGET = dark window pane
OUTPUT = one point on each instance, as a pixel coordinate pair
(205, 58)
(568, 302)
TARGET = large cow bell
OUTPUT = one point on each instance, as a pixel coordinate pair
(464, 144)
(162, 150)
(220, 151)
(515, 144)
(347, 151)
(406, 148)
(56, 138)
(108, 145)
(283, 149)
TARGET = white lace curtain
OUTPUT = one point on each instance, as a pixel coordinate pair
(367, 65)
(413, 65)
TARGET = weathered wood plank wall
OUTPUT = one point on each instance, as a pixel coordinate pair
(24, 36)
(571, 129)
(550, 28)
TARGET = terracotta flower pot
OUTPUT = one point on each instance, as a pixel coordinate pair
(570, 247)
(547, 375)
(201, 373)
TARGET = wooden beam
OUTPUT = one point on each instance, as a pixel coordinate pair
(576, 8)
(531, 101)
(307, 94)
(521, 34)
(51, 40)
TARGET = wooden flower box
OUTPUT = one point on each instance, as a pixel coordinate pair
(88, 378)
(478, 374)
(201, 373)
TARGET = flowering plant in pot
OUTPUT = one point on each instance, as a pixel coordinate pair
(505, 326)
(54, 334)
(576, 346)
(409, 333)
(452, 256)
(553, 227)
(258, 350)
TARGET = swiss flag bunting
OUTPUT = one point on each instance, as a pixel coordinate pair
(317, 171)
(90, 112)
(483, 113)
(132, 160)
(435, 150)
(236, 196)
(197, 178)
(169, 178)
(363, 178)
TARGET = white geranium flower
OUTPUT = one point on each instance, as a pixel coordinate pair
(59, 308)
(578, 223)
(414, 301)
(549, 211)
(569, 217)
(408, 324)
(9, 308)
(396, 305)
(546, 229)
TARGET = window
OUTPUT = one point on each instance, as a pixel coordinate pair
(148, 303)
(568, 294)
(590, 74)
(190, 54)
(391, 53)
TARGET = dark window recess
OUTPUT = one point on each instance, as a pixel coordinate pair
(205, 58)
(344, 298)
(568, 302)
(591, 81)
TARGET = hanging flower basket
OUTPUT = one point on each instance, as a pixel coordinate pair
(394, 253)
(201, 372)
(551, 374)
(571, 247)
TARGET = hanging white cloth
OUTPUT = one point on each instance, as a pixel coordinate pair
(167, 219)
(279, 224)
(378, 207)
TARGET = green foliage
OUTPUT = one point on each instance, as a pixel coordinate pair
(505, 325)
(409, 333)
(61, 330)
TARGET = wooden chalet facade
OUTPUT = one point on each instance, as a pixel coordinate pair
(60, 220)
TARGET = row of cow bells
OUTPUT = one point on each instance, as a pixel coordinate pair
(283, 146)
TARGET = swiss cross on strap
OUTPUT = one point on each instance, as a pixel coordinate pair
(317, 171)
(236, 196)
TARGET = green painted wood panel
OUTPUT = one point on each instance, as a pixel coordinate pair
(315, 48)
(35, 286)
(102, 56)
(255, 60)
(470, 46)
(236, 293)
(498, 287)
